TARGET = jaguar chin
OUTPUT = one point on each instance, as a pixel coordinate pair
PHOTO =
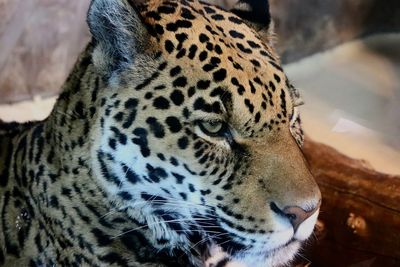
(272, 249)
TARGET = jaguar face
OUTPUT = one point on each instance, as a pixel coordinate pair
(199, 138)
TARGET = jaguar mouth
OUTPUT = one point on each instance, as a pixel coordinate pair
(277, 257)
(208, 232)
(222, 244)
(226, 242)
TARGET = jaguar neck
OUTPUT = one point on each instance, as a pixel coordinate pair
(50, 161)
(68, 130)
(75, 108)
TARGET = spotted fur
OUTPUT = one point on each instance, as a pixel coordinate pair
(128, 170)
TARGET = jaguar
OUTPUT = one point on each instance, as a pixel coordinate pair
(176, 141)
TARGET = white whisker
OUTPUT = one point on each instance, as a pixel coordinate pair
(155, 223)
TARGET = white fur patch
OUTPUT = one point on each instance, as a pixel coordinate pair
(306, 228)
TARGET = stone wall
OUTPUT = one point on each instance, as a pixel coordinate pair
(40, 39)
(305, 27)
(39, 42)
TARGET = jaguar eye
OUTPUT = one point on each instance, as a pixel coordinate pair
(213, 128)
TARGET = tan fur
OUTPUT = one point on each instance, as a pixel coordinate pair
(122, 172)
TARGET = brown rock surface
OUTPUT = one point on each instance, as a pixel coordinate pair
(360, 214)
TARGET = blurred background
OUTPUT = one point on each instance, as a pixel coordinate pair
(343, 55)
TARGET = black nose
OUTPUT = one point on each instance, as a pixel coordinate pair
(295, 214)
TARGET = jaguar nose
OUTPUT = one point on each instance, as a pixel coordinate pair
(295, 214)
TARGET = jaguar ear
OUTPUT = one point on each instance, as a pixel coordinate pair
(118, 32)
(257, 14)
